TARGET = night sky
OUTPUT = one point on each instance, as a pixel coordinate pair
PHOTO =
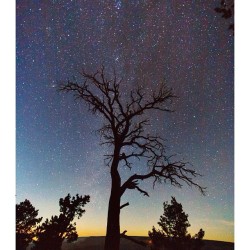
(57, 149)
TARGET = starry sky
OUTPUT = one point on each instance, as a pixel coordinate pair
(57, 149)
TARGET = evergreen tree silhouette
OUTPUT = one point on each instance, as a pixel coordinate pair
(26, 222)
(51, 234)
(173, 234)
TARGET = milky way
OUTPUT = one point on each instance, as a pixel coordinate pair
(58, 152)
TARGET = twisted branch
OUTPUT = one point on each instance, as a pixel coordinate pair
(124, 129)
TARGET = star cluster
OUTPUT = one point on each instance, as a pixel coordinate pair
(58, 151)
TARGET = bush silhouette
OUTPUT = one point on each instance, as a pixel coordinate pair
(197, 240)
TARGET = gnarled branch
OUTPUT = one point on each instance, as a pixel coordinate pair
(176, 173)
(126, 133)
(124, 205)
(139, 242)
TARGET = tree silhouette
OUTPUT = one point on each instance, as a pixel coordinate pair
(26, 222)
(227, 10)
(173, 234)
(158, 238)
(197, 240)
(174, 221)
(126, 120)
(50, 235)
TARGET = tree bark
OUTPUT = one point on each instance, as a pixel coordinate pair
(112, 240)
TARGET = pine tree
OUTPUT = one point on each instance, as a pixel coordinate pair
(26, 222)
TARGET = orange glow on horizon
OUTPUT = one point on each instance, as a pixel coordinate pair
(209, 235)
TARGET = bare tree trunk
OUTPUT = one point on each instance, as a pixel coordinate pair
(112, 240)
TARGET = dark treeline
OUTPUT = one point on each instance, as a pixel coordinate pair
(50, 234)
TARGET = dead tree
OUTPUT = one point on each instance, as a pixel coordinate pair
(124, 130)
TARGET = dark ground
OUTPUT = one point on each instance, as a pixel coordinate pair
(97, 243)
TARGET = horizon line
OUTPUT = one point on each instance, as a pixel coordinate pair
(147, 237)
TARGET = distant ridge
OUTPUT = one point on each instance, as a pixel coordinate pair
(97, 243)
